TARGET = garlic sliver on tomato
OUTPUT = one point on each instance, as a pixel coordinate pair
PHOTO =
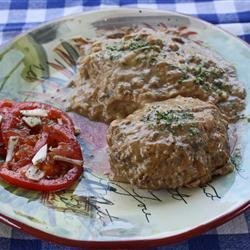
(60, 122)
(34, 173)
(11, 147)
(68, 160)
(41, 155)
(32, 121)
(1, 118)
(35, 112)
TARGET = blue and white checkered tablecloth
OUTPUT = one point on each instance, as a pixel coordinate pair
(233, 15)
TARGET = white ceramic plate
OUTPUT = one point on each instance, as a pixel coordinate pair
(97, 212)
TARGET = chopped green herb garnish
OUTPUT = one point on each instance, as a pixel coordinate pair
(172, 120)
(114, 57)
(115, 47)
(130, 45)
(183, 77)
(173, 116)
(207, 77)
(137, 44)
(193, 131)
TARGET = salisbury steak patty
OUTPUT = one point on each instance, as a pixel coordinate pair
(119, 74)
(179, 142)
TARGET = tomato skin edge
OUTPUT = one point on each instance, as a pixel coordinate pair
(43, 185)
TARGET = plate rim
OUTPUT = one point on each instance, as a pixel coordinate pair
(131, 244)
(151, 242)
(78, 14)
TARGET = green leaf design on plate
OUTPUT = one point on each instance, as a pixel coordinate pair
(29, 217)
(68, 54)
(30, 195)
(34, 58)
(67, 201)
(72, 52)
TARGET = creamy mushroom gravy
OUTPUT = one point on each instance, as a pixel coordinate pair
(178, 142)
(135, 77)
(121, 71)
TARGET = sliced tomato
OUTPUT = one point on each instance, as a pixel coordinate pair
(63, 163)
(6, 103)
(13, 125)
(54, 115)
(58, 174)
(24, 151)
(5, 108)
(17, 178)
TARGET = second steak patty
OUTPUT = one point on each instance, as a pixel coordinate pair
(179, 142)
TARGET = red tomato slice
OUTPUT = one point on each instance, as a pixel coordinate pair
(57, 172)
(5, 108)
(13, 125)
(17, 178)
(5, 103)
(54, 115)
